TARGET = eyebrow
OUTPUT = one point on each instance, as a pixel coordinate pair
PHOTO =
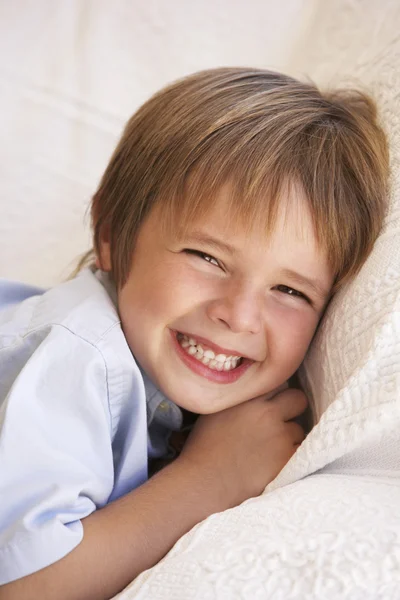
(203, 238)
(313, 284)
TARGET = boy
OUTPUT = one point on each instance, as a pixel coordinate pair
(235, 204)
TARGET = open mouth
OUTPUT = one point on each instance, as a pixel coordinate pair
(206, 356)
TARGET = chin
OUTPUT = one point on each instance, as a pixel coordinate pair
(202, 407)
(190, 403)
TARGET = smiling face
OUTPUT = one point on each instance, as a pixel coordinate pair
(219, 315)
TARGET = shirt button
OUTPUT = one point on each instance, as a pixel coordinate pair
(163, 405)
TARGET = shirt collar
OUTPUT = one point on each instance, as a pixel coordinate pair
(159, 408)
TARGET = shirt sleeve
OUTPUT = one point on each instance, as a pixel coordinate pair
(12, 292)
(56, 464)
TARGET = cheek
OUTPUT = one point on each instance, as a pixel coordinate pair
(142, 302)
(293, 331)
(155, 297)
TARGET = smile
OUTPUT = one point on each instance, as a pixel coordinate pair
(216, 362)
(203, 357)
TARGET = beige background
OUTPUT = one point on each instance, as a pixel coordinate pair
(72, 72)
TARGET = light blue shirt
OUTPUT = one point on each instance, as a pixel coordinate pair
(78, 418)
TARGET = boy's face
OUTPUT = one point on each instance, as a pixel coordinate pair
(220, 316)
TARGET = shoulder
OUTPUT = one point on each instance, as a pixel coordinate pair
(73, 328)
(81, 306)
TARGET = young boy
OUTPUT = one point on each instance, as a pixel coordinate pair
(235, 204)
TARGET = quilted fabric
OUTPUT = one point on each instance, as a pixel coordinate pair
(329, 526)
(289, 547)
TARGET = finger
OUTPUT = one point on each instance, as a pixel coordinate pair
(276, 391)
(296, 432)
(291, 403)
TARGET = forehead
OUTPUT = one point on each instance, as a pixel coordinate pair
(289, 218)
(287, 250)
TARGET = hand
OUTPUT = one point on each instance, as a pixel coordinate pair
(243, 448)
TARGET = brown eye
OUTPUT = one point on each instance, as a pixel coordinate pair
(292, 292)
(203, 256)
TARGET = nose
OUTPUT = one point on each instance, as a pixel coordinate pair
(239, 309)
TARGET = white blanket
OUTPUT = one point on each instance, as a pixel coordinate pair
(329, 526)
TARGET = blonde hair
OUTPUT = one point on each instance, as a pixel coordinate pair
(257, 130)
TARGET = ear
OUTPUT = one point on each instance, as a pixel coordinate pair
(103, 258)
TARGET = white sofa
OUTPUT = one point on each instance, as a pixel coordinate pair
(329, 526)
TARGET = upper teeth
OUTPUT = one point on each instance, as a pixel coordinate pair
(217, 362)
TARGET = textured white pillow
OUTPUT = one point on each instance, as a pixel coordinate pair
(332, 534)
(352, 371)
